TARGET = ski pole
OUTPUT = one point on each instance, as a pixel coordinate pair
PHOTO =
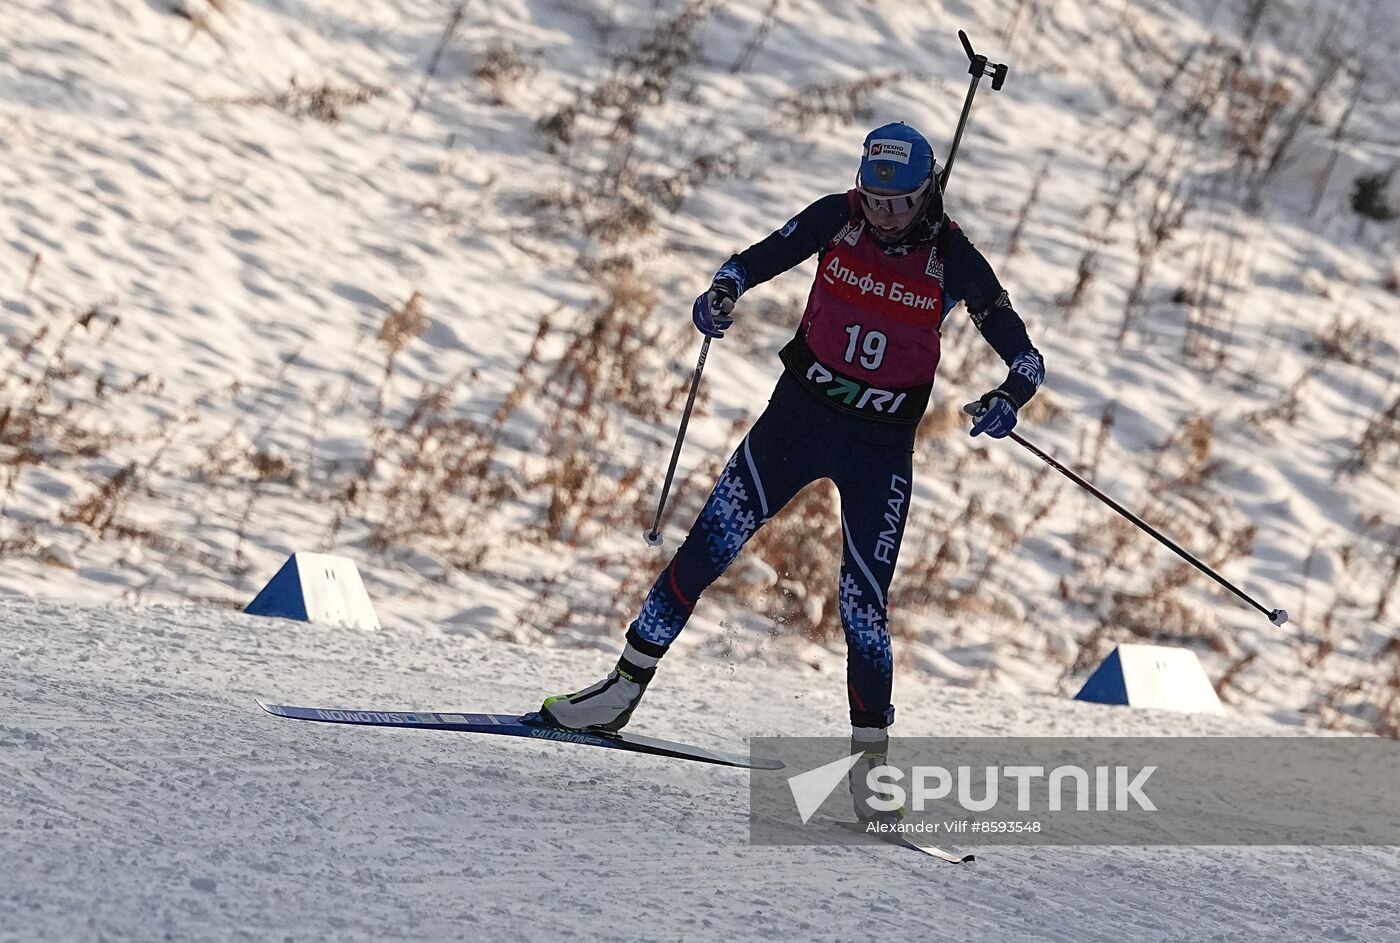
(653, 537)
(978, 66)
(1276, 616)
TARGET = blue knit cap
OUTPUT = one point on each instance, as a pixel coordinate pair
(896, 157)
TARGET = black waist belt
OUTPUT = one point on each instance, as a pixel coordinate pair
(849, 395)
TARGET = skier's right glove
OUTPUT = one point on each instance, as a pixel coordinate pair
(713, 311)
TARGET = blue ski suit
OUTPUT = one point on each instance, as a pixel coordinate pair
(847, 411)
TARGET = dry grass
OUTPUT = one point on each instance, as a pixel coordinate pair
(449, 31)
(834, 104)
(628, 156)
(1380, 437)
(502, 68)
(322, 102)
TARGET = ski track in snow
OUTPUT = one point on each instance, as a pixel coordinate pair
(143, 795)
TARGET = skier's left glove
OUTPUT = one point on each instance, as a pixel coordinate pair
(994, 413)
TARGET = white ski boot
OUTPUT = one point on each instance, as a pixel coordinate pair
(608, 704)
(874, 744)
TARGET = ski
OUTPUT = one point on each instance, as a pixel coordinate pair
(530, 726)
(900, 841)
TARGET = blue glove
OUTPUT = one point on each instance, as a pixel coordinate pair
(994, 413)
(712, 311)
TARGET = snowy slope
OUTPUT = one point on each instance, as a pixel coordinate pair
(144, 796)
(267, 281)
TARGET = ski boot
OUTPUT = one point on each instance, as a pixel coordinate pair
(608, 704)
(874, 745)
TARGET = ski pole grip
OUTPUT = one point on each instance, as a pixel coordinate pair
(979, 65)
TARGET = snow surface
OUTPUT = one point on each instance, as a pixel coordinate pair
(144, 796)
(239, 259)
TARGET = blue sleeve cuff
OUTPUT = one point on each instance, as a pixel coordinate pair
(1027, 373)
(734, 272)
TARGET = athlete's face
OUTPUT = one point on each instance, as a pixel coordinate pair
(892, 211)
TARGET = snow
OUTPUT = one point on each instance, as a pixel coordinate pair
(250, 246)
(222, 308)
(143, 795)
